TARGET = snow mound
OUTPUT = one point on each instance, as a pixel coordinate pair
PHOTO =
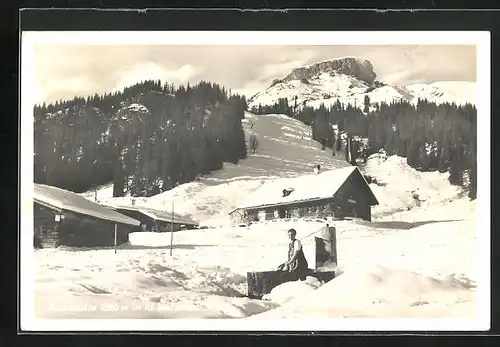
(382, 292)
(291, 290)
(431, 187)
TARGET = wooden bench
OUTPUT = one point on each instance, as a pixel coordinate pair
(261, 283)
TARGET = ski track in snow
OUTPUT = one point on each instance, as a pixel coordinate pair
(408, 262)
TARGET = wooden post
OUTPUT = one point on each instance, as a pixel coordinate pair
(116, 227)
(172, 229)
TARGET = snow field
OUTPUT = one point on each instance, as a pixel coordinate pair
(416, 262)
(207, 272)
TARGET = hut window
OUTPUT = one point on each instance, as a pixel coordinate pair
(296, 212)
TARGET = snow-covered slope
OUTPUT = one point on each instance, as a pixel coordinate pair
(286, 149)
(433, 188)
(325, 84)
(446, 91)
(286, 152)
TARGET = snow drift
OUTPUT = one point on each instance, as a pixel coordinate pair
(381, 292)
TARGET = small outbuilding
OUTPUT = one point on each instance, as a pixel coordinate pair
(64, 218)
(154, 220)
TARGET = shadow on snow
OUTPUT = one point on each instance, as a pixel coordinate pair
(404, 225)
(125, 246)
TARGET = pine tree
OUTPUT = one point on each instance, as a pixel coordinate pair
(366, 107)
(339, 143)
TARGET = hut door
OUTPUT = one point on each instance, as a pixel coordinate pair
(352, 207)
(281, 213)
(262, 216)
(49, 236)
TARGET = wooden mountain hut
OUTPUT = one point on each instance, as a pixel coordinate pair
(64, 218)
(339, 194)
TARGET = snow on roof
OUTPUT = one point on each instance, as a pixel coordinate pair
(305, 188)
(158, 215)
(65, 200)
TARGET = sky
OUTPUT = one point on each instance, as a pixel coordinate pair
(64, 71)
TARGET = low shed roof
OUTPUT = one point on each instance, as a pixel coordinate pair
(158, 215)
(61, 199)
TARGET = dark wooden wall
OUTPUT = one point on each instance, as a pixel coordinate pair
(354, 188)
(45, 230)
(78, 231)
(74, 230)
(149, 222)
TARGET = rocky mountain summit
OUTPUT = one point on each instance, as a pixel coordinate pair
(362, 69)
(349, 80)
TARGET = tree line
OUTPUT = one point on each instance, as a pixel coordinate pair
(147, 138)
(432, 137)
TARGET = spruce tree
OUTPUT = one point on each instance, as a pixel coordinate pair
(366, 108)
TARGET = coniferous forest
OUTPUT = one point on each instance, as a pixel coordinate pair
(430, 136)
(146, 139)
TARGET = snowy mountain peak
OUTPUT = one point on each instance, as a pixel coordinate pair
(361, 69)
(349, 80)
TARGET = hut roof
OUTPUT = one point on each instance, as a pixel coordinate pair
(157, 214)
(304, 188)
(61, 199)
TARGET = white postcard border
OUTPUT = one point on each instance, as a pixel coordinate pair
(28, 92)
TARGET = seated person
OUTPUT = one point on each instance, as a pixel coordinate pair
(296, 262)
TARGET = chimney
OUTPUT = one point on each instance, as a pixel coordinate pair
(133, 202)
